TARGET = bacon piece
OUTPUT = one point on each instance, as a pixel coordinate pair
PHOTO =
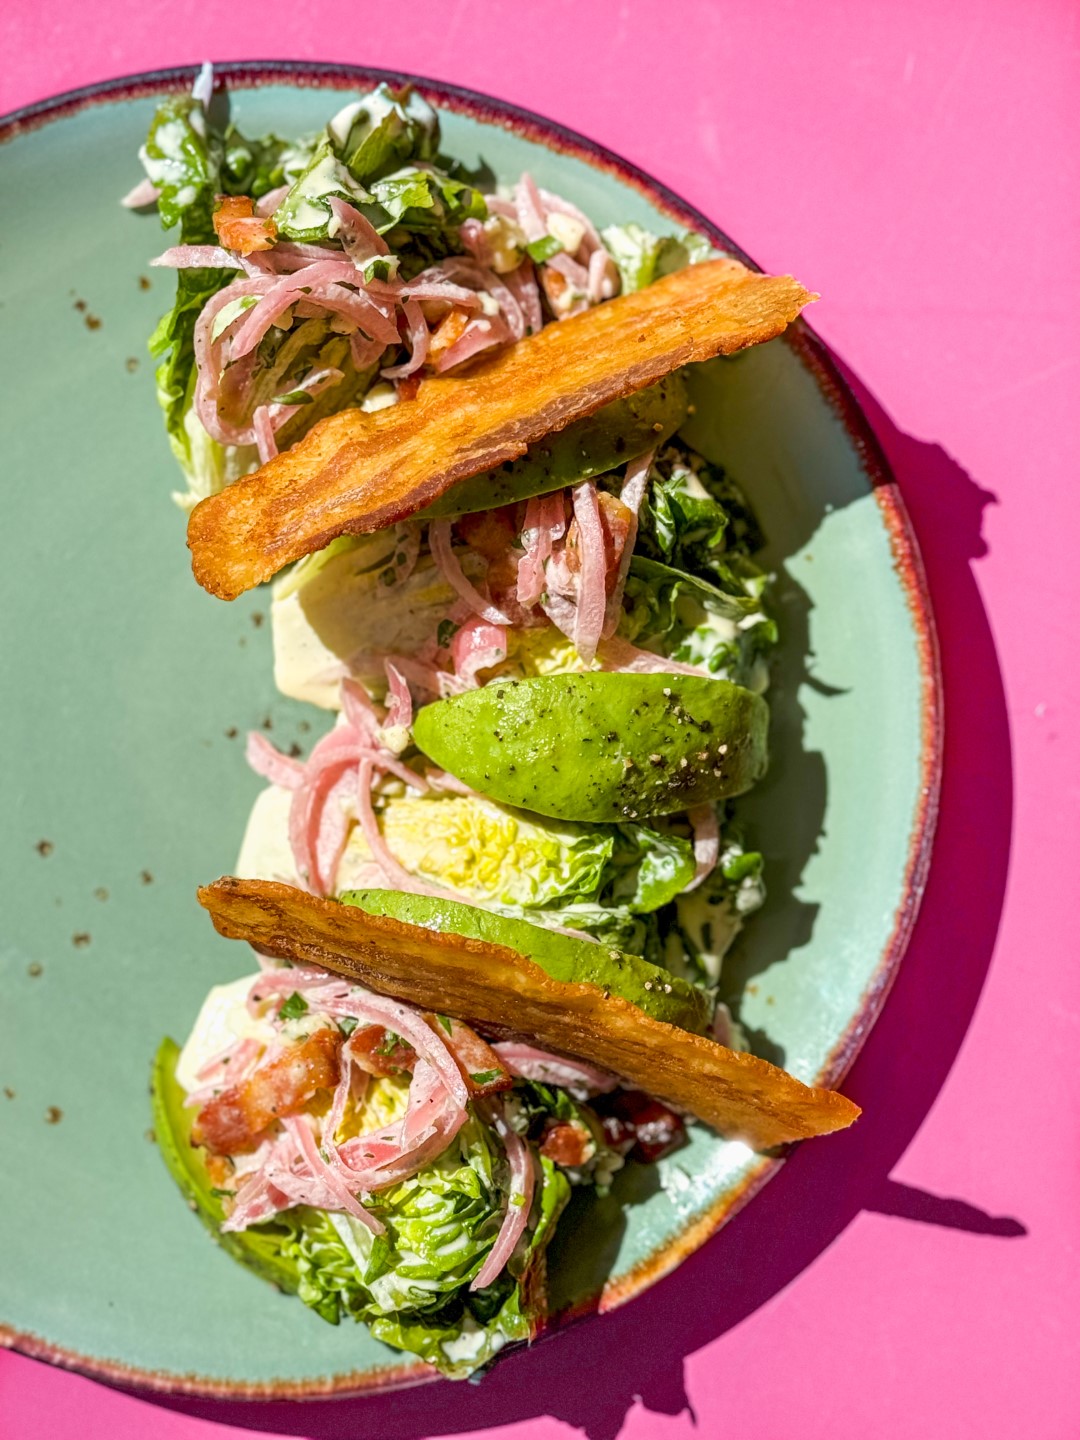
(238, 227)
(447, 333)
(481, 1067)
(360, 471)
(567, 1143)
(636, 1123)
(235, 1120)
(379, 1051)
(503, 993)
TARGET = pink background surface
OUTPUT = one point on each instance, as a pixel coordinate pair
(917, 164)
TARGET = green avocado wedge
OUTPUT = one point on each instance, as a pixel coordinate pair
(601, 747)
(659, 993)
(256, 1249)
(613, 435)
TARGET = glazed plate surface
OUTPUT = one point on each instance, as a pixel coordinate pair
(127, 693)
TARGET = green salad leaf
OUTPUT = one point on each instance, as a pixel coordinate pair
(409, 1285)
(642, 257)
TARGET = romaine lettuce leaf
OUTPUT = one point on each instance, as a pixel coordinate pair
(378, 154)
(642, 257)
(494, 853)
(410, 1285)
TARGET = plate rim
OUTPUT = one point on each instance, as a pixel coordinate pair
(815, 356)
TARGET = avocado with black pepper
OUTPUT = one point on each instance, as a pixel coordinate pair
(656, 991)
(613, 435)
(600, 747)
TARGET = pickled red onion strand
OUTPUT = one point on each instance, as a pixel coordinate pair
(477, 645)
(360, 710)
(632, 493)
(395, 873)
(359, 238)
(263, 427)
(144, 193)
(419, 341)
(531, 1063)
(321, 1171)
(519, 1201)
(440, 533)
(196, 257)
(399, 709)
(268, 761)
(592, 593)
(706, 829)
(479, 335)
(530, 209)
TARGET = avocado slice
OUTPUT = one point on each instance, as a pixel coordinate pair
(258, 1249)
(602, 747)
(613, 435)
(659, 993)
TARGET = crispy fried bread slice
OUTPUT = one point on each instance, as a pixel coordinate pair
(505, 994)
(356, 472)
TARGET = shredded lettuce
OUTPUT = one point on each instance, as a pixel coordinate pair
(379, 155)
(410, 1285)
(693, 592)
(642, 257)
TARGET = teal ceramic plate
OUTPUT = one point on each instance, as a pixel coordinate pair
(127, 691)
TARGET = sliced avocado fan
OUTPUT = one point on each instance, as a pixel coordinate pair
(612, 436)
(656, 991)
(600, 747)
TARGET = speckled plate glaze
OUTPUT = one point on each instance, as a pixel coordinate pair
(127, 691)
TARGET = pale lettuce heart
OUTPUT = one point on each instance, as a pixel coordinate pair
(485, 851)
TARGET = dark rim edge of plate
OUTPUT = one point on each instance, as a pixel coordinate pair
(815, 356)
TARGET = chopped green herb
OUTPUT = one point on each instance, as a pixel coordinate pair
(446, 1023)
(446, 632)
(294, 1007)
(485, 1077)
(543, 249)
(347, 1024)
(294, 397)
(222, 1194)
(517, 1199)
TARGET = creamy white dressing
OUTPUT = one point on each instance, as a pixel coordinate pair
(265, 852)
(344, 120)
(222, 1020)
(379, 397)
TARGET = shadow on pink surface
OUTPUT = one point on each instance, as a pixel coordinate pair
(591, 1375)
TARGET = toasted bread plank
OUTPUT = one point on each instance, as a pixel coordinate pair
(356, 472)
(505, 994)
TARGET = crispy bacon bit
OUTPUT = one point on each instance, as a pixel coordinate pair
(637, 1124)
(567, 1143)
(235, 1120)
(617, 521)
(219, 1169)
(408, 387)
(482, 1068)
(491, 533)
(239, 228)
(379, 1051)
(448, 332)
